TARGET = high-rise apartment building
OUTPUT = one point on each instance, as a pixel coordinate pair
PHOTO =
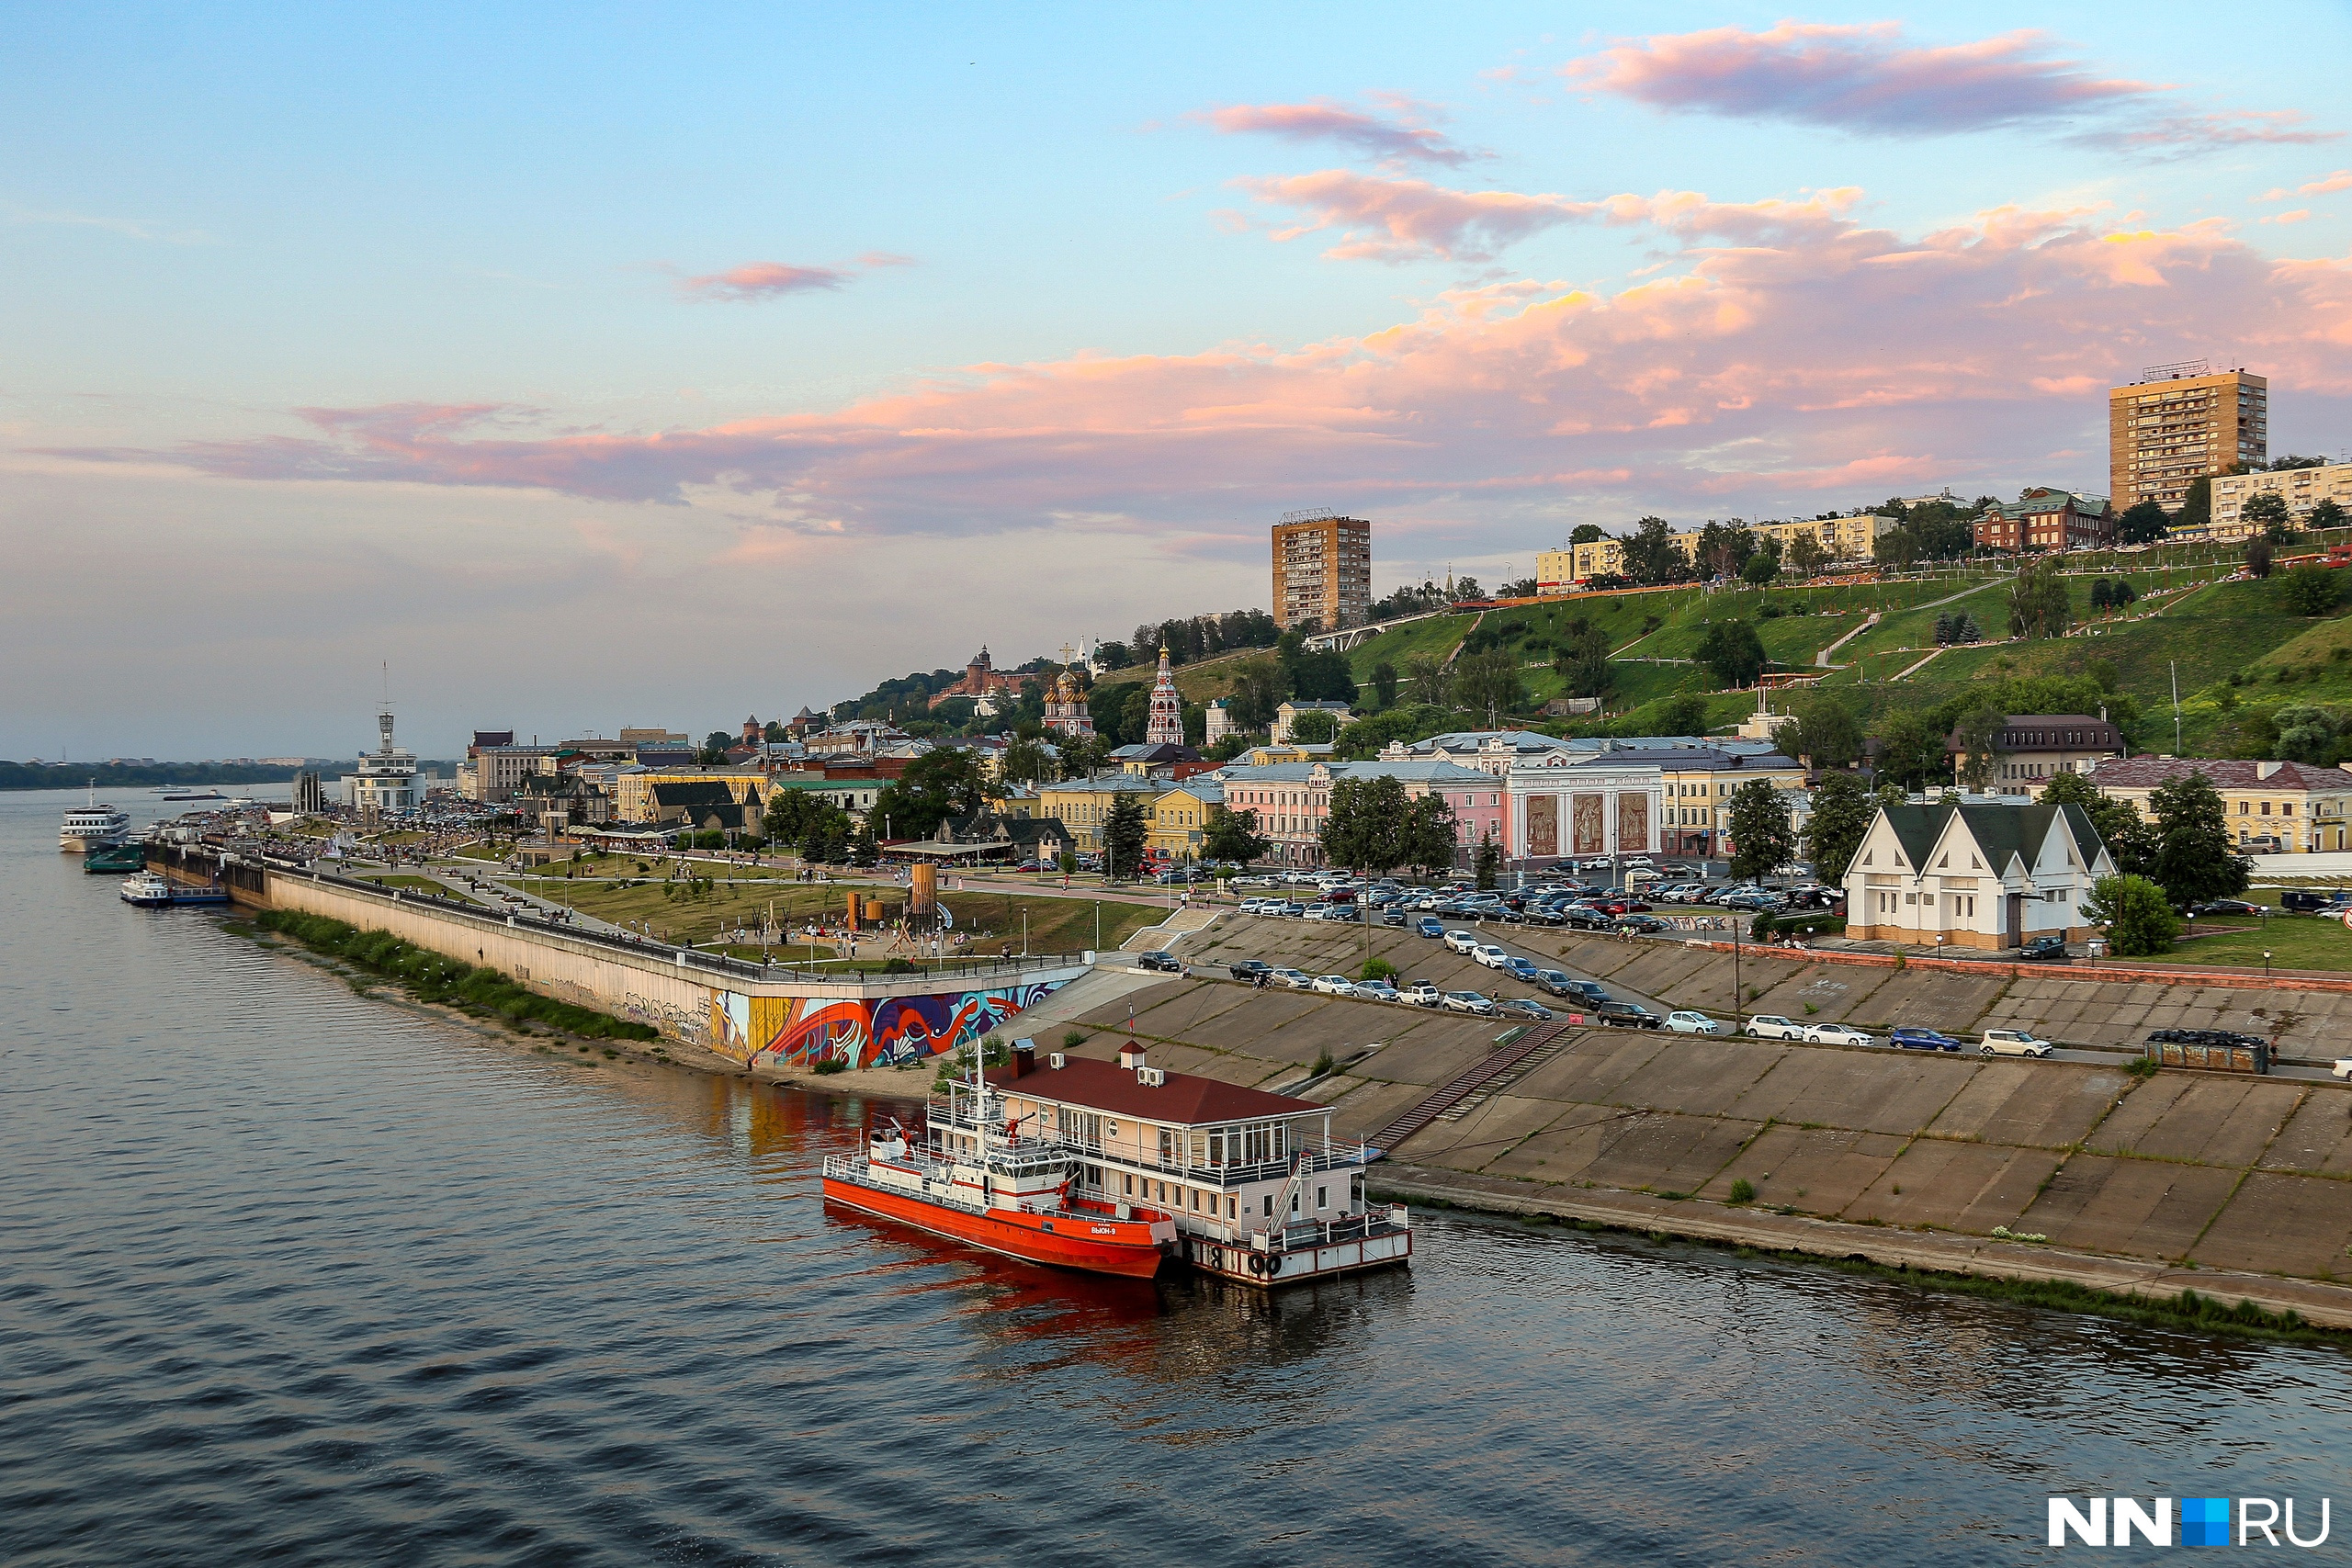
(1322, 570)
(2179, 422)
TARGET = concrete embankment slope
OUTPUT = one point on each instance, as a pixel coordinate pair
(736, 1010)
(2241, 1187)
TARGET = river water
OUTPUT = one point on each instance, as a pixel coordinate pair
(298, 1276)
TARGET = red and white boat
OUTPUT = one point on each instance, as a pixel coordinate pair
(976, 1178)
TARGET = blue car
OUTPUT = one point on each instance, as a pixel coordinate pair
(1430, 926)
(1521, 969)
(1925, 1040)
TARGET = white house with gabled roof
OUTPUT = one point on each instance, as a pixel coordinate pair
(1983, 876)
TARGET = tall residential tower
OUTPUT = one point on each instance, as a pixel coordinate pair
(1322, 570)
(2179, 422)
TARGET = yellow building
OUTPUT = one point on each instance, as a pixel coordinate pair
(633, 793)
(1699, 781)
(2272, 807)
(1083, 806)
(2302, 488)
(1840, 538)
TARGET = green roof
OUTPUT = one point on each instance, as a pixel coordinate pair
(2000, 832)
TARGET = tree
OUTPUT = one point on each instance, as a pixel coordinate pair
(2258, 557)
(1234, 836)
(1583, 662)
(1762, 840)
(2327, 514)
(863, 850)
(1466, 588)
(1651, 553)
(1586, 534)
(1761, 569)
(2309, 590)
(1842, 814)
(1685, 713)
(1124, 833)
(1732, 652)
(1826, 732)
(1432, 679)
(2038, 602)
(2141, 522)
(1489, 684)
(1519, 588)
(1320, 676)
(2099, 597)
(1314, 727)
(1980, 754)
(1898, 547)
(2266, 510)
(1363, 825)
(1725, 549)
(2195, 859)
(1026, 761)
(943, 782)
(1805, 557)
(1431, 836)
(1257, 692)
(2140, 923)
(1384, 684)
(2197, 506)
(1911, 747)
(1490, 862)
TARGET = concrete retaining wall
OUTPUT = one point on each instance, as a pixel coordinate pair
(865, 1022)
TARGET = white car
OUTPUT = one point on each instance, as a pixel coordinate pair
(1771, 1026)
(1836, 1035)
(1258, 906)
(1461, 942)
(2012, 1043)
(1333, 986)
(2342, 1069)
(1467, 1001)
(1692, 1024)
(1642, 861)
(1493, 958)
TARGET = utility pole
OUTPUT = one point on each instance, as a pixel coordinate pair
(2175, 706)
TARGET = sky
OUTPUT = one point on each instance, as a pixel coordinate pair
(568, 369)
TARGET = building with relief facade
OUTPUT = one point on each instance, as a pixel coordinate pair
(1561, 808)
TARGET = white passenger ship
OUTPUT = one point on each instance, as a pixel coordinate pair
(93, 827)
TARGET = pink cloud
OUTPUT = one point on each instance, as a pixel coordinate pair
(1402, 137)
(772, 280)
(1866, 78)
(2299, 215)
(1855, 78)
(1787, 357)
(1398, 219)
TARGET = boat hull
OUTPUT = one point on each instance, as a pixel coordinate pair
(1108, 1247)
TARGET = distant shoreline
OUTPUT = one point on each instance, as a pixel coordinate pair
(80, 775)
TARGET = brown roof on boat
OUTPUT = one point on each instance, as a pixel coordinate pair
(1186, 1098)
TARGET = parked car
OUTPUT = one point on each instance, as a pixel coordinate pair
(1648, 925)
(1834, 1035)
(2342, 1069)
(2012, 1043)
(2315, 900)
(2043, 950)
(1591, 993)
(1392, 916)
(1461, 942)
(1688, 1023)
(1376, 990)
(1772, 1026)
(1628, 1015)
(1430, 926)
(1469, 1001)
(1166, 963)
(1925, 1040)
(1521, 969)
(1295, 979)
(1488, 955)
(2227, 906)
(1249, 969)
(1522, 1007)
(1333, 986)
(1421, 994)
(1290, 909)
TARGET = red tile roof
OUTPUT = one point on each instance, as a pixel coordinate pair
(1186, 1098)
(2226, 772)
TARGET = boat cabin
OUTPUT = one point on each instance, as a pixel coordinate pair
(1256, 1185)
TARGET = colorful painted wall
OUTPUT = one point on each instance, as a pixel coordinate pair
(866, 1031)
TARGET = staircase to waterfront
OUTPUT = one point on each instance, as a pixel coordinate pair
(1482, 1077)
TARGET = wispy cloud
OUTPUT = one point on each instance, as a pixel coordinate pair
(1401, 136)
(2327, 185)
(1866, 78)
(756, 281)
(128, 227)
(1754, 370)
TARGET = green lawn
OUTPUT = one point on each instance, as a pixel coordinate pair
(2294, 941)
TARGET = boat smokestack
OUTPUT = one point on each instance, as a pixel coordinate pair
(1025, 1058)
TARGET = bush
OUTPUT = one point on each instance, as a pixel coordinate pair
(1377, 969)
(1761, 928)
(1323, 1065)
(2309, 590)
(828, 1066)
(1743, 1190)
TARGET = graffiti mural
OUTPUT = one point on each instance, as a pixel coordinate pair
(879, 1030)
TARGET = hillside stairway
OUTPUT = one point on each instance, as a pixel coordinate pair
(1479, 1076)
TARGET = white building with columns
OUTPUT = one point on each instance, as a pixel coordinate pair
(1562, 808)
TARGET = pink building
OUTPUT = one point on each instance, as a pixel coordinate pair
(1292, 798)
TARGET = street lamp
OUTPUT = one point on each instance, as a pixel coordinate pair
(2265, 963)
